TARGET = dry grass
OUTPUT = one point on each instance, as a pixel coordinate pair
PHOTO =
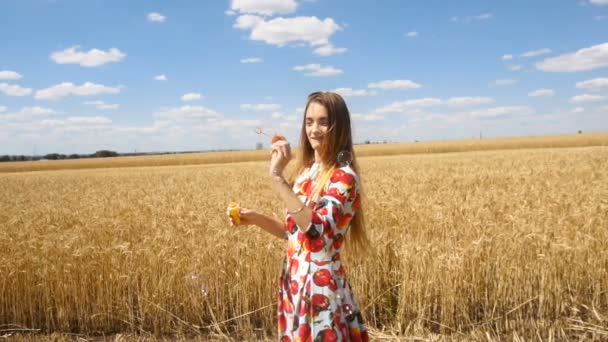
(481, 245)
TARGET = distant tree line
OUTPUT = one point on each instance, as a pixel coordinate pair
(97, 154)
(59, 156)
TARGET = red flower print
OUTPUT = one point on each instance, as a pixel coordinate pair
(293, 268)
(364, 336)
(287, 306)
(304, 332)
(337, 194)
(332, 285)
(294, 287)
(343, 221)
(322, 277)
(338, 240)
(314, 245)
(344, 177)
(319, 303)
(327, 335)
(282, 323)
(285, 339)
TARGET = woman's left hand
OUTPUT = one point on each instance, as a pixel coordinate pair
(280, 157)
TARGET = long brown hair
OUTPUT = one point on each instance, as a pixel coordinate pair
(337, 138)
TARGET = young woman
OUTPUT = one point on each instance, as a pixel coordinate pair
(316, 302)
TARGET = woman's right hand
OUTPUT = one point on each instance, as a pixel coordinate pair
(246, 216)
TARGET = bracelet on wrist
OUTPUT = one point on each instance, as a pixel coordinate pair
(297, 210)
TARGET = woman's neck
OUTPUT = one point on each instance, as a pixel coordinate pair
(318, 157)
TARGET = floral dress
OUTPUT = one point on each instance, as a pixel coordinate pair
(315, 299)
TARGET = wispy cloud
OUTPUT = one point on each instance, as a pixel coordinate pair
(156, 17)
(14, 90)
(468, 101)
(9, 75)
(599, 2)
(318, 70)
(91, 58)
(101, 104)
(587, 98)
(261, 107)
(250, 60)
(350, 92)
(500, 112)
(394, 84)
(411, 34)
(504, 82)
(542, 93)
(192, 97)
(535, 53)
(582, 60)
(266, 7)
(594, 84)
(468, 19)
(161, 77)
(67, 89)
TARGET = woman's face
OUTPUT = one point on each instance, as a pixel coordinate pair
(317, 124)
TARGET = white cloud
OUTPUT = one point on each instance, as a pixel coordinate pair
(411, 34)
(504, 82)
(67, 89)
(542, 93)
(577, 110)
(192, 97)
(247, 21)
(349, 92)
(91, 58)
(2, 109)
(282, 31)
(161, 77)
(599, 2)
(536, 53)
(507, 57)
(402, 106)
(264, 7)
(394, 84)
(14, 90)
(156, 17)
(497, 112)
(587, 98)
(515, 67)
(9, 75)
(87, 120)
(262, 107)
(27, 114)
(328, 50)
(230, 12)
(582, 60)
(596, 83)
(186, 113)
(468, 101)
(101, 104)
(367, 117)
(318, 70)
(468, 19)
(251, 60)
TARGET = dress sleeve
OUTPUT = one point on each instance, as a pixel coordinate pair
(335, 208)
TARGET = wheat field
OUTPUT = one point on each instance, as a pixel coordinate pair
(479, 245)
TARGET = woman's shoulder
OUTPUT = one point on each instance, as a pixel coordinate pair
(346, 175)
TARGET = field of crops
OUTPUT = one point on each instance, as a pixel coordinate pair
(486, 244)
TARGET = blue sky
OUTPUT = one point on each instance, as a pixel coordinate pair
(79, 76)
